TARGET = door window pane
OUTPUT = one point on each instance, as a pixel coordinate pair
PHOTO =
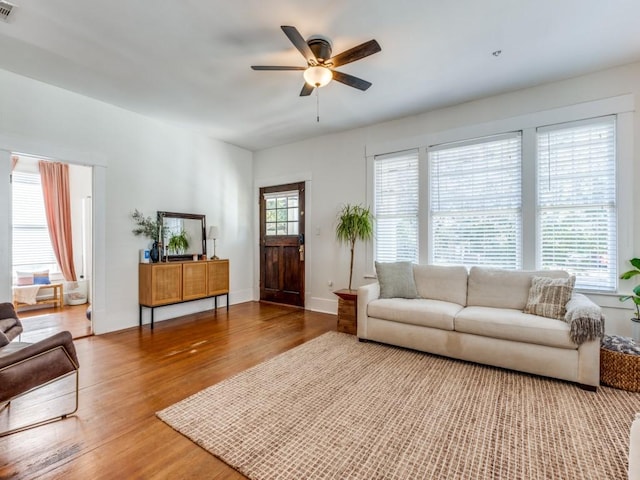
(282, 213)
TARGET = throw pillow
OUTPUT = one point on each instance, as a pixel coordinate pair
(41, 278)
(24, 278)
(548, 297)
(396, 280)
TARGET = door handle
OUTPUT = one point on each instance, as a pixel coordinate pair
(301, 250)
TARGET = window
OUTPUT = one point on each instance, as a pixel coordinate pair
(577, 201)
(396, 206)
(32, 248)
(281, 211)
(475, 200)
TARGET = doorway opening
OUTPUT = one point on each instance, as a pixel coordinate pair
(52, 246)
(282, 245)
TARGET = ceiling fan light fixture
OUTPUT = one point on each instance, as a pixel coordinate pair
(317, 76)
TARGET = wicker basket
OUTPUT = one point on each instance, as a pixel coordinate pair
(620, 370)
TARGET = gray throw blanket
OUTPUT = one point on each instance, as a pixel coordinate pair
(584, 318)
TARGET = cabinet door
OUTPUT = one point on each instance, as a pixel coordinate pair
(218, 277)
(166, 283)
(194, 280)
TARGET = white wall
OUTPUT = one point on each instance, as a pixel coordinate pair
(140, 163)
(336, 164)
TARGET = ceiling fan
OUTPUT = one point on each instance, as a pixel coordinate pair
(320, 64)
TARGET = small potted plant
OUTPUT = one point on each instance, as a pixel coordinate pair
(178, 242)
(354, 223)
(150, 228)
(635, 327)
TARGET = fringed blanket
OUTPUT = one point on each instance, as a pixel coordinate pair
(584, 318)
(26, 294)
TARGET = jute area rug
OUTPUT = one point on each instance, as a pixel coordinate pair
(334, 408)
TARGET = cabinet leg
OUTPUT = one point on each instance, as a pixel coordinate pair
(227, 302)
(140, 315)
(151, 318)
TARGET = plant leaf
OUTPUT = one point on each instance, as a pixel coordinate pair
(635, 262)
(629, 274)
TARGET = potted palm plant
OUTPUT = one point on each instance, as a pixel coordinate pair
(635, 326)
(354, 223)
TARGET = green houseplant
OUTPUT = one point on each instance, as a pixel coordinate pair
(150, 228)
(178, 242)
(635, 262)
(354, 223)
(636, 290)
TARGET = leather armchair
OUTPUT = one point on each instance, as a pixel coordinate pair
(10, 326)
(25, 367)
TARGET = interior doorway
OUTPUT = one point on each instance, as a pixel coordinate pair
(282, 245)
(36, 251)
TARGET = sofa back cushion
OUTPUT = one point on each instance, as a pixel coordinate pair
(437, 282)
(496, 287)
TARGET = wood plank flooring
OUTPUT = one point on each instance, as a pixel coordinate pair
(126, 376)
(41, 323)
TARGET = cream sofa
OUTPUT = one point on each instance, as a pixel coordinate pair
(634, 450)
(477, 315)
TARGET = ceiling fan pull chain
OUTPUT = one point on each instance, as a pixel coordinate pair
(317, 105)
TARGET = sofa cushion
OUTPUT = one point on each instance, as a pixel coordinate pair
(511, 324)
(500, 288)
(41, 278)
(24, 278)
(548, 297)
(427, 313)
(396, 280)
(438, 282)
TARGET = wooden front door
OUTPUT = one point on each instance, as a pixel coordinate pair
(282, 244)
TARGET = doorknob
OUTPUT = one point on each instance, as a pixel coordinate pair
(301, 250)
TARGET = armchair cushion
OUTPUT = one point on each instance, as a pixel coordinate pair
(10, 325)
(29, 365)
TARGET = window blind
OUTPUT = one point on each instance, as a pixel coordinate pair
(476, 202)
(577, 201)
(396, 206)
(31, 242)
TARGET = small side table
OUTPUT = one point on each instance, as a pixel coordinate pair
(620, 363)
(347, 311)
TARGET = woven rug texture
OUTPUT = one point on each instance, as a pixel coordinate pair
(335, 408)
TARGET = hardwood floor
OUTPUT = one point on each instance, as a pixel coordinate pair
(41, 323)
(126, 376)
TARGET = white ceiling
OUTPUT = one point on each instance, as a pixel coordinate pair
(188, 61)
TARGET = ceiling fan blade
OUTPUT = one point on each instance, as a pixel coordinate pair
(356, 53)
(306, 90)
(267, 67)
(300, 43)
(350, 80)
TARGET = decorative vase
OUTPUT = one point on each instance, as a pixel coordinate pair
(154, 253)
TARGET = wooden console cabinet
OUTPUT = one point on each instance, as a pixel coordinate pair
(167, 283)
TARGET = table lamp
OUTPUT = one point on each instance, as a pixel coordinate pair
(214, 233)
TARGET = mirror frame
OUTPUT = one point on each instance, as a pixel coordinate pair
(186, 216)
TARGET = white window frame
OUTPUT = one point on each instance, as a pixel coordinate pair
(515, 210)
(623, 106)
(582, 281)
(52, 264)
(406, 155)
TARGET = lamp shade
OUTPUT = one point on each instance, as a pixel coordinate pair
(214, 233)
(317, 76)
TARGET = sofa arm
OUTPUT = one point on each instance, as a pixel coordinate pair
(584, 318)
(366, 294)
(634, 450)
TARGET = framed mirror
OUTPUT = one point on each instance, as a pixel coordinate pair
(182, 235)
